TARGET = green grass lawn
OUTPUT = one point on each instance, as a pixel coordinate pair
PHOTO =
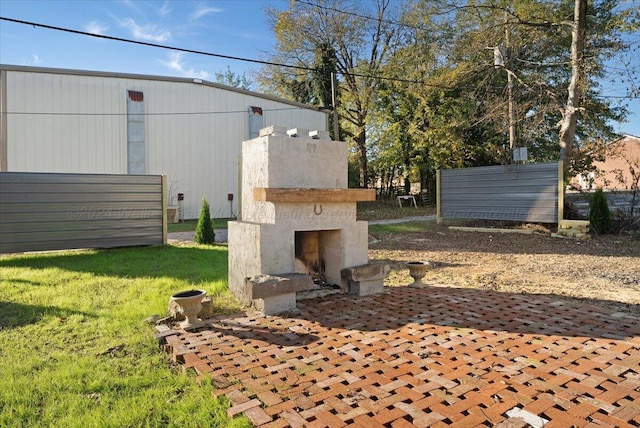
(385, 209)
(75, 351)
(412, 226)
(190, 225)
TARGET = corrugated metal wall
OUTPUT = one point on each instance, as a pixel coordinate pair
(76, 122)
(510, 192)
(64, 211)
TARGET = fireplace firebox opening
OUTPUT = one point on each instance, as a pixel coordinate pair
(318, 253)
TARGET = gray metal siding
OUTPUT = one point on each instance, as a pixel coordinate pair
(3, 120)
(69, 121)
(505, 192)
(41, 211)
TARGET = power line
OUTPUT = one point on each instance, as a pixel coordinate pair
(389, 21)
(147, 114)
(179, 49)
(155, 45)
(235, 58)
(451, 8)
(618, 97)
(275, 64)
(357, 15)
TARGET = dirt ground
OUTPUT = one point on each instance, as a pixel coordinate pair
(605, 270)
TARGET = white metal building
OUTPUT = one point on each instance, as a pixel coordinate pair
(71, 121)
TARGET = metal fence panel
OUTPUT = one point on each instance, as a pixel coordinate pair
(42, 211)
(504, 192)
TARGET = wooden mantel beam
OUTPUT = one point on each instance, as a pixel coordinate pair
(270, 194)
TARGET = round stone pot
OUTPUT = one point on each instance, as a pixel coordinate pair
(190, 304)
(417, 270)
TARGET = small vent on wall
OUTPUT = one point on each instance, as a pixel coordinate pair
(136, 96)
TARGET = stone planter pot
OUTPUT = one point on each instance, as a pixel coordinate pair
(190, 303)
(417, 270)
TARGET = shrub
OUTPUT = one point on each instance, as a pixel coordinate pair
(204, 229)
(599, 213)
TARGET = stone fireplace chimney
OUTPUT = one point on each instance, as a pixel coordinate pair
(297, 230)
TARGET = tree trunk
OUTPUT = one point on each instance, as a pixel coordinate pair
(361, 142)
(390, 177)
(570, 114)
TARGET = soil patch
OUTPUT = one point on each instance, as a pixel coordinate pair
(605, 270)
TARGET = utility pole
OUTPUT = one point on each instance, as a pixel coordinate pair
(334, 104)
(509, 65)
(512, 122)
(502, 58)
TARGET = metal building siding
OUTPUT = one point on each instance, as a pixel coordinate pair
(197, 145)
(193, 132)
(57, 124)
(198, 152)
(41, 211)
(511, 192)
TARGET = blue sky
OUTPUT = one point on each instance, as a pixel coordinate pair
(228, 27)
(234, 28)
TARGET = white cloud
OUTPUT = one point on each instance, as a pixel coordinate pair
(146, 32)
(128, 3)
(131, 5)
(36, 59)
(165, 9)
(202, 11)
(94, 27)
(177, 64)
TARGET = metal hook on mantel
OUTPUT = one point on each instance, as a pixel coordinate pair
(315, 209)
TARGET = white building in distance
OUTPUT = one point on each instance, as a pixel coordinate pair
(72, 121)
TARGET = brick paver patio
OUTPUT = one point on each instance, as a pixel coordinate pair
(435, 356)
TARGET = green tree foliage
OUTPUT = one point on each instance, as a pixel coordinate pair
(432, 117)
(459, 114)
(230, 78)
(599, 213)
(331, 35)
(418, 88)
(204, 230)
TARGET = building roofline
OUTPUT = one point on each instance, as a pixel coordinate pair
(195, 81)
(622, 137)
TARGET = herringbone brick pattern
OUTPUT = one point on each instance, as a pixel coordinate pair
(425, 357)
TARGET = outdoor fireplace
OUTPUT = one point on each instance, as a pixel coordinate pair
(297, 229)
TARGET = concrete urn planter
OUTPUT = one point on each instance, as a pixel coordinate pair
(417, 270)
(190, 304)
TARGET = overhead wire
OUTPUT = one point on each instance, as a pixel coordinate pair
(198, 52)
(237, 58)
(174, 113)
(357, 15)
(451, 9)
(155, 45)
